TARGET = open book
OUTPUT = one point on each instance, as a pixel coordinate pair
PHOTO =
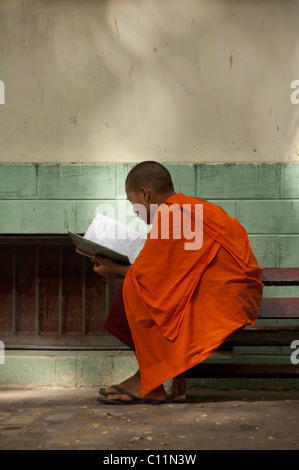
(111, 239)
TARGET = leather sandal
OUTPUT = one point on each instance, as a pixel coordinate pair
(117, 389)
(135, 400)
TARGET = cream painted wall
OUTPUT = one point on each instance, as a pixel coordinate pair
(128, 80)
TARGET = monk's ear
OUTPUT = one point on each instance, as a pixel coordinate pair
(145, 193)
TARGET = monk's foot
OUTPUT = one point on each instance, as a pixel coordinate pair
(131, 382)
(158, 394)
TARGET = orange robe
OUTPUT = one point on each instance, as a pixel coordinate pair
(182, 304)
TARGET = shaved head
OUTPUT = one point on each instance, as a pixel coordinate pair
(149, 174)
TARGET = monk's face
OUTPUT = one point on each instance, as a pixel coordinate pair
(141, 203)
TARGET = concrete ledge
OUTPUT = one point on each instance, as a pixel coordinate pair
(74, 369)
(94, 368)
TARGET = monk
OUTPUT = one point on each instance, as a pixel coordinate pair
(195, 282)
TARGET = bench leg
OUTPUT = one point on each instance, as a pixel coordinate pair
(179, 388)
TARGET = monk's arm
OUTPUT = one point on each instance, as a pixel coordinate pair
(108, 268)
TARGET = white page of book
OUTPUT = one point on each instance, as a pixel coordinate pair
(116, 235)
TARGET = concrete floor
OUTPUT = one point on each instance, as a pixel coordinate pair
(210, 419)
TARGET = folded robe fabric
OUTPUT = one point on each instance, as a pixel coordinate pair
(181, 303)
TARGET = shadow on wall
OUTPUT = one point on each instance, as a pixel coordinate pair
(126, 81)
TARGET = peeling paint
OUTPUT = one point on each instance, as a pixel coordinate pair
(116, 27)
(231, 60)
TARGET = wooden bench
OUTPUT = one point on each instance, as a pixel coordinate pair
(286, 308)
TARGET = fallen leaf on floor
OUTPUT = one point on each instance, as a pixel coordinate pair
(135, 438)
(12, 428)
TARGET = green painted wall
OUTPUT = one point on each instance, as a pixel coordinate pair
(54, 198)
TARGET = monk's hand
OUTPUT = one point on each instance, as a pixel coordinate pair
(107, 268)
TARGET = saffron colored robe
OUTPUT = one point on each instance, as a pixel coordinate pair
(181, 304)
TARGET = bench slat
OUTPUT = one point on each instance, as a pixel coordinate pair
(263, 336)
(279, 307)
(280, 276)
(244, 370)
